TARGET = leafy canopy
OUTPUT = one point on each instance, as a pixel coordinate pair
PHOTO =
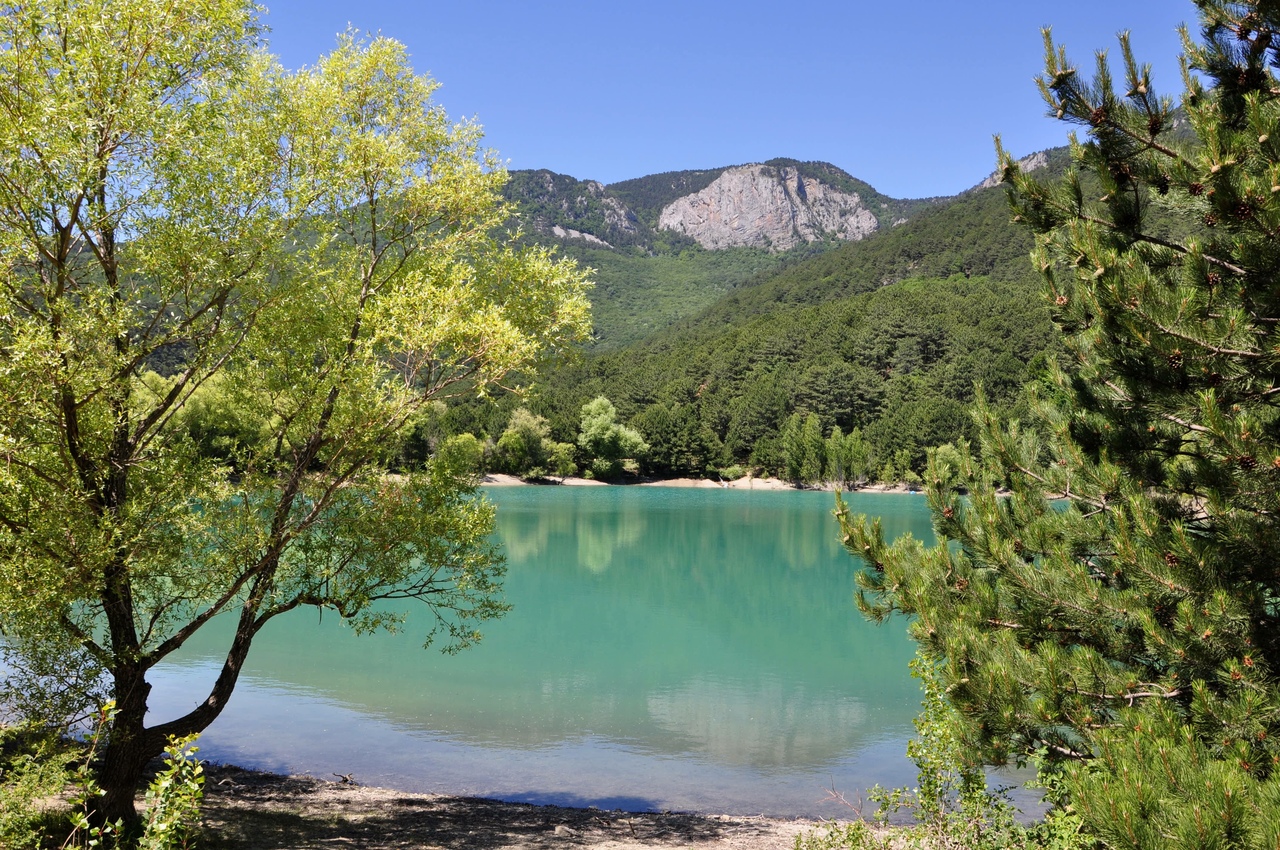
(312, 250)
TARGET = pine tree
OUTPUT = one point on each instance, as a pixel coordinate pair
(1118, 611)
(815, 450)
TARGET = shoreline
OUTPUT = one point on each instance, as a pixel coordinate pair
(498, 479)
(258, 810)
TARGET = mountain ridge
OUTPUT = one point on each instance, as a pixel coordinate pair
(777, 204)
(649, 278)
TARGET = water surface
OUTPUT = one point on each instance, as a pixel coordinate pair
(667, 649)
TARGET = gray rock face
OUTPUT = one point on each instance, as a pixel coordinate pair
(616, 214)
(768, 207)
(569, 233)
(1028, 163)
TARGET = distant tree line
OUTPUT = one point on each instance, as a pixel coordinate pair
(850, 392)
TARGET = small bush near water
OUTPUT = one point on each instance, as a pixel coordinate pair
(952, 806)
(47, 793)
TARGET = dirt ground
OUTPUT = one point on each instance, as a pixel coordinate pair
(249, 810)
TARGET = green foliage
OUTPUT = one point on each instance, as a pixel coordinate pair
(636, 296)
(421, 436)
(951, 806)
(220, 424)
(462, 455)
(33, 773)
(804, 453)
(524, 446)
(527, 449)
(849, 458)
(897, 364)
(679, 444)
(171, 818)
(173, 799)
(37, 768)
(560, 460)
(606, 444)
(1117, 612)
(310, 258)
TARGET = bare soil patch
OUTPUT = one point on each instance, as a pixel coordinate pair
(251, 810)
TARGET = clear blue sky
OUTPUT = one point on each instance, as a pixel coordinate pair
(906, 97)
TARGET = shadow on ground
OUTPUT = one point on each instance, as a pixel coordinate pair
(249, 810)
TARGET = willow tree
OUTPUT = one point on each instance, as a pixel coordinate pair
(180, 219)
(1118, 611)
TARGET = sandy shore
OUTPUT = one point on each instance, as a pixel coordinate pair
(496, 479)
(252, 810)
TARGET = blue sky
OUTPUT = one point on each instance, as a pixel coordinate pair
(905, 97)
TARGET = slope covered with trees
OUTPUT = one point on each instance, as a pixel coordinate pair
(648, 278)
(886, 336)
(898, 363)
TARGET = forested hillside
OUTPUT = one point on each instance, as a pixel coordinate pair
(897, 363)
(648, 278)
(881, 341)
(968, 235)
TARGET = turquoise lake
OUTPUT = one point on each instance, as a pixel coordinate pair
(667, 649)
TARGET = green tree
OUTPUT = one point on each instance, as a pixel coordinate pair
(678, 443)
(560, 460)
(1118, 612)
(858, 456)
(461, 454)
(321, 242)
(803, 449)
(422, 435)
(837, 460)
(815, 450)
(221, 426)
(606, 443)
(524, 445)
(793, 448)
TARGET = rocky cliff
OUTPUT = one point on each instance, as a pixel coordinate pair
(574, 210)
(765, 206)
(1032, 162)
(776, 205)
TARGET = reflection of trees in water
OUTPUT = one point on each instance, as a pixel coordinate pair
(600, 535)
(739, 565)
(768, 724)
(595, 535)
(524, 535)
(720, 624)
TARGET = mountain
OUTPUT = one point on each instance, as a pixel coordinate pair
(666, 246)
(566, 209)
(765, 206)
(775, 205)
(714, 361)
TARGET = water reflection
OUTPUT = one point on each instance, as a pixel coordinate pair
(769, 725)
(693, 641)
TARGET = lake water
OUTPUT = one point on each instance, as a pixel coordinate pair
(668, 649)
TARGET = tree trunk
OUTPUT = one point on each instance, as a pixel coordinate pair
(129, 747)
